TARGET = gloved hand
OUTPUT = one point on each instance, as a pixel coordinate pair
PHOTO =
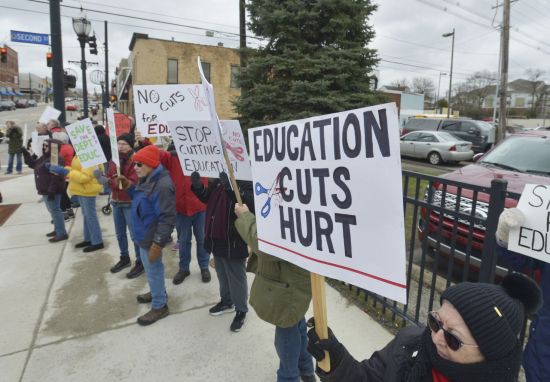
(509, 218)
(224, 180)
(196, 180)
(124, 182)
(155, 251)
(59, 170)
(317, 347)
(51, 197)
(97, 173)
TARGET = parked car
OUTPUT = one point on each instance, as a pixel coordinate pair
(480, 134)
(7, 105)
(436, 147)
(520, 159)
(22, 103)
(32, 103)
(71, 107)
(547, 128)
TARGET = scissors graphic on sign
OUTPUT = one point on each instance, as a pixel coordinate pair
(199, 102)
(273, 191)
(237, 151)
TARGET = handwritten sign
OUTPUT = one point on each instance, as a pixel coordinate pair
(85, 143)
(111, 125)
(532, 238)
(155, 105)
(235, 147)
(36, 143)
(49, 113)
(328, 196)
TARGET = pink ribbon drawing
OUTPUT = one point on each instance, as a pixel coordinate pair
(237, 151)
(199, 102)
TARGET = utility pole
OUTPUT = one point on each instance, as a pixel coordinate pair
(57, 59)
(451, 72)
(106, 92)
(30, 86)
(242, 30)
(505, 43)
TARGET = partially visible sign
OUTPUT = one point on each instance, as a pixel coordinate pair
(30, 38)
(235, 147)
(49, 113)
(123, 124)
(86, 144)
(36, 143)
(532, 238)
(111, 126)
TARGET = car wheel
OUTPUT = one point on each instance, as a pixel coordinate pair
(434, 158)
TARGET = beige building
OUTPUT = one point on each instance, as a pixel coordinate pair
(155, 61)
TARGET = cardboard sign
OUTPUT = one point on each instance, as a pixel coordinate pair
(36, 143)
(532, 238)
(85, 143)
(49, 113)
(155, 105)
(235, 147)
(111, 125)
(328, 196)
(54, 154)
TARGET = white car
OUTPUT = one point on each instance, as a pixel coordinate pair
(436, 147)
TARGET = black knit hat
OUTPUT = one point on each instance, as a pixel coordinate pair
(128, 138)
(495, 313)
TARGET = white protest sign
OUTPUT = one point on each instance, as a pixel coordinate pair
(112, 136)
(36, 143)
(532, 238)
(85, 143)
(235, 147)
(155, 105)
(49, 113)
(328, 196)
(208, 90)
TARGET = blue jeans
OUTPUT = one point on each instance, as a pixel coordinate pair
(184, 224)
(122, 217)
(233, 283)
(19, 166)
(92, 230)
(155, 279)
(57, 215)
(291, 346)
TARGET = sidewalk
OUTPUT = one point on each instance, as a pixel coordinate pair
(66, 318)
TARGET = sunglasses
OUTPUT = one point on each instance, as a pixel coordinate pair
(137, 164)
(453, 342)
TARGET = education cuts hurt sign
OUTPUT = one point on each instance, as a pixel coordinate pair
(85, 143)
(532, 237)
(328, 196)
(155, 105)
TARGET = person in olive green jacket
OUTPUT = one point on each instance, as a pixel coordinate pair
(280, 295)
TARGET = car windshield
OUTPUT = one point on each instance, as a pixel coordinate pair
(448, 137)
(524, 154)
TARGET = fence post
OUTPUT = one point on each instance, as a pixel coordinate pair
(496, 206)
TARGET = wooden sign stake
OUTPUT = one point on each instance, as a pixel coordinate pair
(54, 154)
(320, 314)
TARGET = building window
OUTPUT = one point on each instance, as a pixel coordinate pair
(206, 70)
(520, 102)
(172, 71)
(235, 71)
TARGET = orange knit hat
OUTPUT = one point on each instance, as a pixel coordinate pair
(149, 155)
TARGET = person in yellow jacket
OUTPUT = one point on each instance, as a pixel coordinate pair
(84, 185)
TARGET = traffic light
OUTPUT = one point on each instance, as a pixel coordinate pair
(113, 98)
(49, 57)
(69, 81)
(4, 54)
(93, 44)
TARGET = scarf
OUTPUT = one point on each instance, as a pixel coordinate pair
(502, 370)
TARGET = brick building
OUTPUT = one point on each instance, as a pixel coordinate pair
(9, 75)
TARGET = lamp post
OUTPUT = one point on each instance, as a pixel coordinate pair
(451, 72)
(439, 86)
(82, 27)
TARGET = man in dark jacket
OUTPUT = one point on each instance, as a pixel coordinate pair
(153, 218)
(15, 146)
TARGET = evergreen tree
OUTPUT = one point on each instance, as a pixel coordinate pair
(315, 60)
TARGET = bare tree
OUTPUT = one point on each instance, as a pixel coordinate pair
(537, 87)
(423, 85)
(401, 83)
(471, 94)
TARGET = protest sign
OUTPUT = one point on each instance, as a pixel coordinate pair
(85, 143)
(328, 196)
(49, 113)
(235, 147)
(155, 105)
(36, 143)
(111, 125)
(532, 237)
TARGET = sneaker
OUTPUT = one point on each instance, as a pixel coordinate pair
(221, 308)
(308, 378)
(145, 298)
(50, 234)
(205, 275)
(238, 321)
(124, 262)
(153, 316)
(70, 212)
(93, 247)
(83, 244)
(136, 270)
(180, 276)
(55, 239)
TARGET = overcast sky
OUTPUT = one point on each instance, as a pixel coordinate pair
(408, 33)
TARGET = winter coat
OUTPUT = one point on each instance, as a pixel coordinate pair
(232, 246)
(104, 141)
(187, 202)
(127, 169)
(536, 356)
(281, 291)
(153, 209)
(15, 135)
(46, 182)
(82, 181)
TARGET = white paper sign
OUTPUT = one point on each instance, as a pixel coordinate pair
(328, 196)
(36, 143)
(85, 143)
(155, 105)
(49, 113)
(532, 238)
(112, 135)
(235, 147)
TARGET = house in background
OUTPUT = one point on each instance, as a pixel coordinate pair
(408, 104)
(522, 94)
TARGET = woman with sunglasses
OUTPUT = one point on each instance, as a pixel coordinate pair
(472, 337)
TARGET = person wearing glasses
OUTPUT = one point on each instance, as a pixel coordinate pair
(472, 337)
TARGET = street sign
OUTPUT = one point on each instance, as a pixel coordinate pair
(30, 38)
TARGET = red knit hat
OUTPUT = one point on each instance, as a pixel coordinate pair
(149, 155)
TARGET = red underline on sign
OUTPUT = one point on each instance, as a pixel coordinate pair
(336, 265)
